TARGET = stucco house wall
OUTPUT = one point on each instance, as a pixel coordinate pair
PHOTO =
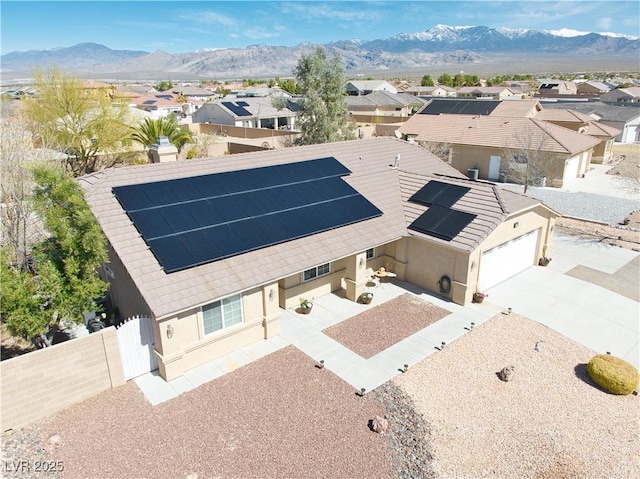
(464, 157)
(188, 346)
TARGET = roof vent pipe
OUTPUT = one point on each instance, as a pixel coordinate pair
(396, 162)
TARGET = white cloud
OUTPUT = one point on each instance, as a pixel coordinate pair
(208, 18)
(339, 11)
(605, 23)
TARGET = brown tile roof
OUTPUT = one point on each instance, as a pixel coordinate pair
(564, 115)
(166, 294)
(489, 202)
(496, 132)
(597, 129)
(517, 108)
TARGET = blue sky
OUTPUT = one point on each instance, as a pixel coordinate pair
(182, 26)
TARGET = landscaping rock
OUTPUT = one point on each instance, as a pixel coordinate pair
(613, 374)
(506, 374)
(380, 425)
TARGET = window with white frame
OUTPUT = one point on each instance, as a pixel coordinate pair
(316, 272)
(222, 314)
(371, 253)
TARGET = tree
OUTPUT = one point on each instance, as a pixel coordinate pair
(164, 85)
(427, 81)
(20, 227)
(445, 79)
(66, 117)
(441, 150)
(288, 85)
(527, 158)
(322, 111)
(62, 283)
(148, 132)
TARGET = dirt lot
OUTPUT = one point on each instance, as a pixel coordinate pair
(625, 162)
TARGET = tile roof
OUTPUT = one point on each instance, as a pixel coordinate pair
(259, 107)
(565, 115)
(496, 132)
(384, 98)
(489, 202)
(595, 128)
(166, 294)
(604, 111)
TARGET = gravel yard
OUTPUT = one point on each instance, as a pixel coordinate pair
(549, 421)
(376, 329)
(276, 417)
(449, 417)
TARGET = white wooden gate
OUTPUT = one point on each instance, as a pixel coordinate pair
(135, 339)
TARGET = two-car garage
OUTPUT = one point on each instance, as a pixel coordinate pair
(508, 259)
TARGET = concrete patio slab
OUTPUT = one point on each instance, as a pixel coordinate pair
(203, 373)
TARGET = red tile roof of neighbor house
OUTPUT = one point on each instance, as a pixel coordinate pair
(497, 132)
(372, 176)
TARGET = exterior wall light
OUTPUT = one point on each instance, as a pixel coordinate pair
(516, 224)
(169, 332)
(361, 263)
(271, 294)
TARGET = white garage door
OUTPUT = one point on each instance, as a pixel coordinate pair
(571, 169)
(508, 259)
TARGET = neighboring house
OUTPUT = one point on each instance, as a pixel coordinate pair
(624, 117)
(213, 250)
(249, 112)
(484, 107)
(556, 87)
(582, 123)
(193, 93)
(159, 104)
(364, 87)
(430, 91)
(493, 92)
(622, 95)
(592, 88)
(139, 89)
(383, 104)
(482, 141)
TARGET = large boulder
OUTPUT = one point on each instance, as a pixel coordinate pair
(613, 374)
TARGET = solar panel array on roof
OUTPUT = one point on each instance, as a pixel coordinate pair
(438, 193)
(237, 109)
(442, 222)
(242, 103)
(192, 221)
(148, 102)
(165, 97)
(460, 107)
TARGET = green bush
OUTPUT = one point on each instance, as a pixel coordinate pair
(613, 374)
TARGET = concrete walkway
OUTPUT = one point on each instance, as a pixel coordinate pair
(598, 317)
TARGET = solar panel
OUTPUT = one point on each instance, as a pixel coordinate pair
(165, 97)
(460, 107)
(441, 222)
(247, 210)
(242, 103)
(162, 193)
(438, 193)
(237, 109)
(148, 102)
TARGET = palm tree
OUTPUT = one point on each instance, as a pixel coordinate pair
(150, 130)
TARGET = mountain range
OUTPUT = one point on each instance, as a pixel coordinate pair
(440, 45)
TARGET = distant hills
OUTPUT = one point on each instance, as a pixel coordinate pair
(441, 45)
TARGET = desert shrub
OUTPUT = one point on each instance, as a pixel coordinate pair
(613, 374)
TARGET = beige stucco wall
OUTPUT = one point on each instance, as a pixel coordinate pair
(42, 382)
(124, 293)
(190, 347)
(429, 261)
(465, 157)
(516, 225)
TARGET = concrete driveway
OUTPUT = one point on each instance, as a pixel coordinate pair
(582, 294)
